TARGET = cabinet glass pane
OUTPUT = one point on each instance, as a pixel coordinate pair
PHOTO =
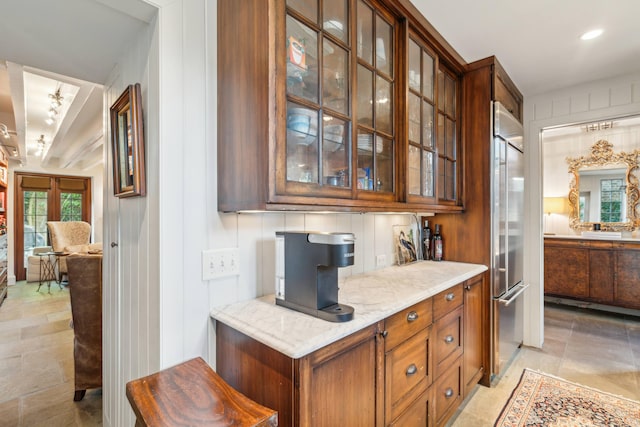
(450, 138)
(384, 107)
(414, 169)
(427, 75)
(302, 144)
(440, 134)
(335, 77)
(450, 96)
(364, 32)
(384, 164)
(450, 190)
(335, 153)
(336, 19)
(365, 161)
(414, 118)
(441, 178)
(441, 89)
(365, 96)
(308, 8)
(302, 60)
(427, 125)
(384, 46)
(427, 170)
(414, 65)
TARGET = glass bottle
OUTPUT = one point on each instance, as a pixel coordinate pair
(436, 244)
(426, 241)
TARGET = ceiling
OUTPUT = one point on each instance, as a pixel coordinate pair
(74, 44)
(70, 45)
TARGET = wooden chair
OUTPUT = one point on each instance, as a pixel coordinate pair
(192, 394)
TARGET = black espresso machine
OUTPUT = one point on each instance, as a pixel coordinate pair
(307, 272)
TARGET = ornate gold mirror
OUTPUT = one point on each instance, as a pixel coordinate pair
(604, 189)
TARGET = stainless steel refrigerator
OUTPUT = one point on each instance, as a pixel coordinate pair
(507, 230)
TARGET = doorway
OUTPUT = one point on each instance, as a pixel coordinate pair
(41, 198)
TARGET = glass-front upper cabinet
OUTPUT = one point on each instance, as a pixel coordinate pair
(375, 129)
(421, 114)
(447, 135)
(318, 117)
(340, 89)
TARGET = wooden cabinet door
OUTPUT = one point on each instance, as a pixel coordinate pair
(601, 270)
(566, 271)
(627, 278)
(338, 383)
(475, 339)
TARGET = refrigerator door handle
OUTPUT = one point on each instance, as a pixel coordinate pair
(511, 297)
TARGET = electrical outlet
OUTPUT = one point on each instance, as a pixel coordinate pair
(220, 263)
(381, 260)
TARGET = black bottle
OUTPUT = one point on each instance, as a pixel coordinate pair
(436, 245)
(426, 241)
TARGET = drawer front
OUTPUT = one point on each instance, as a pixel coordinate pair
(447, 393)
(406, 323)
(446, 301)
(447, 339)
(419, 414)
(408, 372)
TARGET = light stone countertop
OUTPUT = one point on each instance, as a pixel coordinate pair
(374, 295)
(624, 238)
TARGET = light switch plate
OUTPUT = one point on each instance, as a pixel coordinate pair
(218, 263)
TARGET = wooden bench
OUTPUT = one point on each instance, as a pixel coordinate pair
(192, 394)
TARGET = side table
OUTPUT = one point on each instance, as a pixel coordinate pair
(48, 265)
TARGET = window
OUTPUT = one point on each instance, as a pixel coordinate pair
(612, 193)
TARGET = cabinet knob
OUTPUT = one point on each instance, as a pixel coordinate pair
(449, 339)
(448, 393)
(450, 296)
(114, 244)
(412, 369)
(412, 316)
(467, 288)
(384, 333)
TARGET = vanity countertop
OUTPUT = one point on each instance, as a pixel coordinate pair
(374, 295)
(578, 237)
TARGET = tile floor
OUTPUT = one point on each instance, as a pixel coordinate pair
(36, 361)
(592, 348)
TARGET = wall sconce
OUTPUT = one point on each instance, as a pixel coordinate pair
(554, 205)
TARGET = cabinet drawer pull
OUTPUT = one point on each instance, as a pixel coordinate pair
(384, 333)
(412, 316)
(412, 369)
(449, 339)
(450, 296)
(448, 393)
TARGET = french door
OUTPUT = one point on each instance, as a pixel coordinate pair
(41, 198)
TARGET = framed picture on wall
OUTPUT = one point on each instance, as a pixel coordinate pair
(127, 141)
(2, 201)
(3, 175)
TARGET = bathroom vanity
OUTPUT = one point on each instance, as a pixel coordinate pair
(411, 354)
(593, 270)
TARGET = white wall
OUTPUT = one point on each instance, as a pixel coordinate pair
(598, 100)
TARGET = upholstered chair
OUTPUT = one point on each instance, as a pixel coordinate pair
(67, 233)
(85, 289)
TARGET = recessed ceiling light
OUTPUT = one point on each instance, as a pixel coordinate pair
(592, 34)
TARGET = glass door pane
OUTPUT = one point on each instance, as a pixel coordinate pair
(70, 207)
(35, 221)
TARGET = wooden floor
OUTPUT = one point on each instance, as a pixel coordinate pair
(36, 361)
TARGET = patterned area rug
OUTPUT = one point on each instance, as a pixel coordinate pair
(543, 400)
